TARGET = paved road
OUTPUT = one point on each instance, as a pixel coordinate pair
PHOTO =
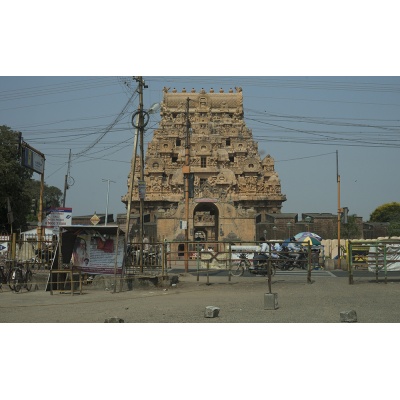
(300, 272)
(240, 300)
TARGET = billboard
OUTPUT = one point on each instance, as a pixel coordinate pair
(95, 254)
(60, 216)
(33, 160)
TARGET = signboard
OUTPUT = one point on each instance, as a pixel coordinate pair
(142, 189)
(94, 254)
(58, 217)
(33, 160)
(95, 219)
(183, 224)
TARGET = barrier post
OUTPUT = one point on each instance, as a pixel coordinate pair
(384, 262)
(350, 263)
(269, 275)
(230, 262)
(309, 263)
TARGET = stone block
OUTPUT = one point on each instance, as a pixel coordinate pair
(114, 320)
(211, 312)
(348, 316)
(270, 301)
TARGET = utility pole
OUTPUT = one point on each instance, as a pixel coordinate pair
(339, 209)
(142, 188)
(66, 186)
(130, 185)
(186, 172)
(139, 125)
(108, 193)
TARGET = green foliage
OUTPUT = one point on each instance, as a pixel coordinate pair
(394, 229)
(17, 185)
(350, 230)
(12, 180)
(389, 212)
(52, 196)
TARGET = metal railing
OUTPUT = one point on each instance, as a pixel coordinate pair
(380, 256)
(30, 251)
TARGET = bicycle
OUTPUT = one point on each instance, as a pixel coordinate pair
(238, 269)
(20, 279)
(5, 273)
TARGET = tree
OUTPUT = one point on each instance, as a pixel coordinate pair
(389, 212)
(350, 229)
(17, 185)
(52, 196)
(13, 178)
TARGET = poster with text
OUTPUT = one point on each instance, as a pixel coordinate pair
(97, 255)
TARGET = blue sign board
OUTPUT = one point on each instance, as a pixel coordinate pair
(33, 161)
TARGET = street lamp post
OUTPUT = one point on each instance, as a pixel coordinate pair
(108, 193)
(139, 121)
(289, 225)
(307, 220)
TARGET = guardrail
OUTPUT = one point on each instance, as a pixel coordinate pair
(29, 250)
(382, 255)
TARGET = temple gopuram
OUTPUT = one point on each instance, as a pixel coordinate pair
(233, 186)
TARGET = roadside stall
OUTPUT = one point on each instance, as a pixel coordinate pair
(86, 251)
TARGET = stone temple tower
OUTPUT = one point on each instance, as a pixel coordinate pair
(233, 187)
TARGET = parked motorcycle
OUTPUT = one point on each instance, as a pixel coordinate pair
(258, 268)
(150, 258)
(289, 260)
(43, 256)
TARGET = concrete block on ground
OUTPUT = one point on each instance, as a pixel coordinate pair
(270, 301)
(174, 280)
(114, 320)
(348, 316)
(211, 312)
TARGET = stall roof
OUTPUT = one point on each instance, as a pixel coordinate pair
(103, 230)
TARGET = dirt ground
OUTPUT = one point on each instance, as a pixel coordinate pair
(241, 300)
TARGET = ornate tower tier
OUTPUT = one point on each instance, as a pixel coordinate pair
(233, 185)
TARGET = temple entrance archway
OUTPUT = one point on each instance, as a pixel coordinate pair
(205, 221)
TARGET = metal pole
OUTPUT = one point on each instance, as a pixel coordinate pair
(186, 171)
(141, 131)
(130, 190)
(339, 209)
(40, 214)
(66, 178)
(115, 262)
(108, 193)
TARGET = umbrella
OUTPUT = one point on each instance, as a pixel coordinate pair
(310, 240)
(303, 235)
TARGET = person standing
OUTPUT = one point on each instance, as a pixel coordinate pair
(263, 254)
(146, 244)
(294, 250)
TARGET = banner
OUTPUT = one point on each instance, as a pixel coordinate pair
(96, 254)
(33, 160)
(58, 217)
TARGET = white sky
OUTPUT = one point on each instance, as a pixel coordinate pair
(306, 86)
